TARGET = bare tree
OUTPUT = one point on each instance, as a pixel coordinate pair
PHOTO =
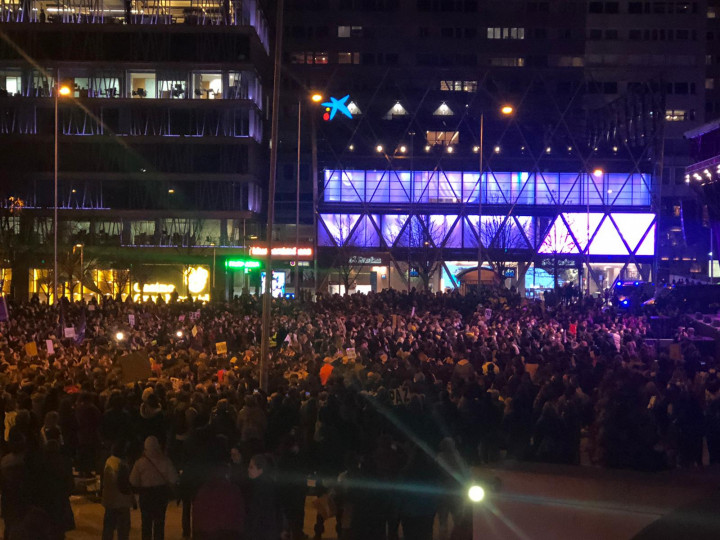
(424, 242)
(346, 260)
(500, 235)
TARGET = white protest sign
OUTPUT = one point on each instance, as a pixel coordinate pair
(488, 314)
(49, 345)
(131, 319)
(69, 332)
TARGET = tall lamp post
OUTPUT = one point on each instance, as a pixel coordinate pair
(505, 110)
(315, 98)
(267, 298)
(65, 91)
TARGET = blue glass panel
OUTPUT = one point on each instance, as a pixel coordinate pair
(449, 187)
(546, 189)
(377, 186)
(498, 188)
(399, 186)
(366, 234)
(470, 187)
(392, 225)
(570, 187)
(641, 189)
(619, 189)
(353, 186)
(443, 229)
(332, 186)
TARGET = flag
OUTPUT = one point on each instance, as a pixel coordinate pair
(4, 314)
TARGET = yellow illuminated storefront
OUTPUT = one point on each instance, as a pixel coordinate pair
(146, 282)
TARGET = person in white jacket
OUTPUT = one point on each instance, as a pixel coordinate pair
(154, 477)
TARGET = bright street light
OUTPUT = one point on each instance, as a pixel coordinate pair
(64, 90)
(316, 98)
(507, 110)
(476, 494)
(597, 173)
(179, 333)
(119, 336)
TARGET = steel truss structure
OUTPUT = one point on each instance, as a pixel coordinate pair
(564, 177)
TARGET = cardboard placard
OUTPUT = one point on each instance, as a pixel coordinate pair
(221, 347)
(31, 348)
(69, 332)
(181, 318)
(50, 347)
(135, 367)
(194, 331)
(675, 352)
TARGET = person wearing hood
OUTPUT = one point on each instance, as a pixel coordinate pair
(152, 418)
(154, 477)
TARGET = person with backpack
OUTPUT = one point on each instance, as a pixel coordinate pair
(117, 496)
(155, 478)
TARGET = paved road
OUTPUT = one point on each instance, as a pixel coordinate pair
(542, 502)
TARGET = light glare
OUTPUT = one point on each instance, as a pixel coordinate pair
(476, 494)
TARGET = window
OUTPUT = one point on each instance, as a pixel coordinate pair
(508, 62)
(321, 58)
(442, 138)
(595, 34)
(635, 7)
(207, 86)
(709, 84)
(611, 34)
(142, 85)
(711, 13)
(458, 86)
(348, 58)
(708, 59)
(595, 7)
(470, 33)
(635, 35)
(343, 31)
(505, 33)
(612, 7)
(682, 34)
(10, 82)
(675, 115)
(610, 88)
(681, 88)
(447, 32)
(424, 32)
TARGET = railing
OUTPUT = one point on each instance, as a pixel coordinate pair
(152, 12)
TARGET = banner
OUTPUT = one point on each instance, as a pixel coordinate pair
(31, 348)
(135, 367)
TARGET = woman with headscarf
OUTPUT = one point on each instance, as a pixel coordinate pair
(155, 477)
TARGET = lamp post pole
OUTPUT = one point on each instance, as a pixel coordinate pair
(297, 204)
(267, 298)
(55, 205)
(481, 150)
(313, 140)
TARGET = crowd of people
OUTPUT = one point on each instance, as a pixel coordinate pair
(379, 404)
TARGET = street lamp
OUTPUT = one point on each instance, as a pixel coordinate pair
(315, 97)
(64, 91)
(82, 268)
(476, 494)
(505, 110)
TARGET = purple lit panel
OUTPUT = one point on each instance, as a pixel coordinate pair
(339, 227)
(450, 187)
(632, 226)
(607, 240)
(377, 186)
(470, 227)
(470, 187)
(400, 187)
(392, 225)
(366, 235)
(546, 188)
(444, 229)
(583, 226)
(648, 245)
(332, 191)
(353, 186)
(558, 239)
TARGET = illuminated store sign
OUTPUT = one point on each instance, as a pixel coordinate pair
(282, 251)
(246, 264)
(335, 106)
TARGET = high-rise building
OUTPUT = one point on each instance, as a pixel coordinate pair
(161, 146)
(602, 93)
